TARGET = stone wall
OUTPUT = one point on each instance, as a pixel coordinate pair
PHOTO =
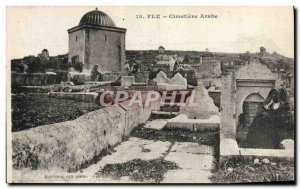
(141, 77)
(77, 96)
(208, 69)
(183, 122)
(102, 47)
(34, 79)
(106, 49)
(69, 145)
(252, 83)
(78, 78)
(76, 45)
(111, 76)
(41, 79)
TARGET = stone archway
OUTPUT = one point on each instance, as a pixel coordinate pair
(251, 107)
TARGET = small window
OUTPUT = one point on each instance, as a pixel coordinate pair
(76, 37)
(105, 38)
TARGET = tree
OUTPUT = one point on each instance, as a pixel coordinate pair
(35, 65)
(78, 66)
(245, 58)
(186, 59)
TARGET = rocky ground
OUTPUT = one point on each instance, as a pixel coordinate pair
(255, 171)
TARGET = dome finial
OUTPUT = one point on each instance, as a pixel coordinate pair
(96, 17)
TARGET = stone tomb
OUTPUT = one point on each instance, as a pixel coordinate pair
(161, 77)
(198, 113)
(199, 105)
(176, 83)
(248, 85)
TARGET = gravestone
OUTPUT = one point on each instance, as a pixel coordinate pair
(161, 77)
(178, 80)
(165, 84)
(127, 81)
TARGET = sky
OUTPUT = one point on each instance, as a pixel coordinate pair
(235, 30)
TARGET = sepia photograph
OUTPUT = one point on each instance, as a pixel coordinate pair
(150, 95)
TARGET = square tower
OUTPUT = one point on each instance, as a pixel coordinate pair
(97, 41)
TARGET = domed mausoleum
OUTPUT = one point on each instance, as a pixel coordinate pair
(97, 41)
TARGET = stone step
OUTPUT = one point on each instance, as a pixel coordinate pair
(157, 112)
(193, 148)
(183, 122)
(157, 124)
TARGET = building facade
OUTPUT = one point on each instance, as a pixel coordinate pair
(97, 41)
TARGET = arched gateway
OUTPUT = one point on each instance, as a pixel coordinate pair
(253, 78)
(243, 92)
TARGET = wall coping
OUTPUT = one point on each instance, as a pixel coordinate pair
(229, 149)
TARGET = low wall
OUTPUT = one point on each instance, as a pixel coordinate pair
(70, 144)
(112, 76)
(183, 122)
(34, 89)
(37, 79)
(78, 78)
(77, 96)
(170, 87)
(141, 77)
(229, 150)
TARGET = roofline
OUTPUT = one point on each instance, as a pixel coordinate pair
(107, 28)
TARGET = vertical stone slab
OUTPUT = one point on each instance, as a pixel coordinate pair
(178, 80)
(161, 77)
(227, 126)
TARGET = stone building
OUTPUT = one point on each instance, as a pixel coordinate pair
(161, 50)
(208, 70)
(97, 41)
(165, 60)
(243, 92)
